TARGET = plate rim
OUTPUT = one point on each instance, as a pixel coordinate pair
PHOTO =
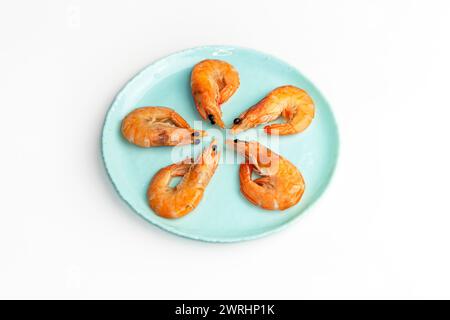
(190, 236)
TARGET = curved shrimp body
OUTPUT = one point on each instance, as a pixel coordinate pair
(293, 103)
(158, 126)
(213, 82)
(280, 185)
(176, 202)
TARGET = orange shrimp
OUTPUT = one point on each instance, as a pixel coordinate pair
(213, 82)
(158, 126)
(280, 185)
(293, 103)
(178, 201)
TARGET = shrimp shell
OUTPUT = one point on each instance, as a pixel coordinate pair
(158, 126)
(292, 103)
(280, 185)
(175, 202)
(213, 82)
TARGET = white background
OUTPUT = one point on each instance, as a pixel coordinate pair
(382, 229)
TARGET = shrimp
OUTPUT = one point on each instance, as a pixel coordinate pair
(293, 103)
(176, 202)
(158, 126)
(213, 82)
(280, 185)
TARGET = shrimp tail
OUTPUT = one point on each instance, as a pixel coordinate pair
(250, 189)
(280, 129)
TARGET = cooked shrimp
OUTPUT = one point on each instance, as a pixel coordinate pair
(158, 126)
(280, 185)
(213, 82)
(175, 202)
(294, 104)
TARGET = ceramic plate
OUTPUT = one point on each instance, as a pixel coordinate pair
(223, 215)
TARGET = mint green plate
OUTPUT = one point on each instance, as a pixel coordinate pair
(223, 215)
